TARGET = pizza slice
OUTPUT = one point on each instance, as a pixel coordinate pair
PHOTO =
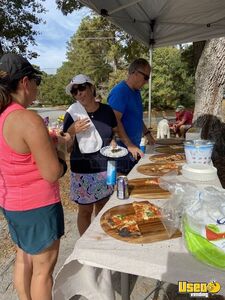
(129, 229)
(119, 220)
(116, 220)
(145, 211)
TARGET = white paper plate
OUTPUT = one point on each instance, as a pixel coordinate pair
(107, 151)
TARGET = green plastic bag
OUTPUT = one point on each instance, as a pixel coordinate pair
(202, 249)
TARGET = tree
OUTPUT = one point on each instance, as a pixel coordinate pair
(172, 83)
(68, 6)
(95, 50)
(210, 79)
(17, 18)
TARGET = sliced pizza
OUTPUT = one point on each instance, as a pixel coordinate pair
(118, 220)
(145, 211)
(130, 228)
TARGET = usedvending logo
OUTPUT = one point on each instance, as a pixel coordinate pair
(198, 289)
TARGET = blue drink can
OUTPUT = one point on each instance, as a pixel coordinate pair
(111, 172)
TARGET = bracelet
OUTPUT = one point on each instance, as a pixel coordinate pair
(62, 161)
(147, 132)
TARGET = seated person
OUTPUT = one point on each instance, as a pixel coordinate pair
(183, 121)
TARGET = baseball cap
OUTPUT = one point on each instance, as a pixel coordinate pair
(179, 108)
(78, 79)
(16, 66)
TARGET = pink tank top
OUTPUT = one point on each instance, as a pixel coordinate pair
(21, 185)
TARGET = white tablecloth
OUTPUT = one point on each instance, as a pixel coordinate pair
(166, 260)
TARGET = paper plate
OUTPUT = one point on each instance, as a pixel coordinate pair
(108, 151)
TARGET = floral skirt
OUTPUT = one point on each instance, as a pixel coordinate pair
(89, 188)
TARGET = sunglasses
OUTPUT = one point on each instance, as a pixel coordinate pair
(146, 77)
(36, 78)
(80, 88)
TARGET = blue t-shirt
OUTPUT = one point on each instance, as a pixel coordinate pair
(128, 102)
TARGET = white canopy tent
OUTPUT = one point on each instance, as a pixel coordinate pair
(164, 22)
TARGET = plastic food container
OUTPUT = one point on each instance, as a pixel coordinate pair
(199, 172)
(198, 151)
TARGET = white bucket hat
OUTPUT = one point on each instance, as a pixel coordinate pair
(79, 79)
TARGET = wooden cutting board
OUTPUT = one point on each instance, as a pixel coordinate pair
(168, 158)
(147, 188)
(171, 141)
(157, 169)
(173, 149)
(152, 231)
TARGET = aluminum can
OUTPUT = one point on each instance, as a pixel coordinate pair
(111, 173)
(122, 187)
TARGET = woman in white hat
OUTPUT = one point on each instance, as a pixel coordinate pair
(93, 125)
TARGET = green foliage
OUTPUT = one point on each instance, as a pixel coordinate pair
(103, 52)
(172, 81)
(68, 6)
(89, 47)
(17, 18)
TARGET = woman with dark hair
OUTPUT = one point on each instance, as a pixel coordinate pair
(93, 125)
(29, 169)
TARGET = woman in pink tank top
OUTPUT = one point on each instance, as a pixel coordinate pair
(30, 167)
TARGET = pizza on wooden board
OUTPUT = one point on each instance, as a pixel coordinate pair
(127, 225)
(168, 158)
(145, 211)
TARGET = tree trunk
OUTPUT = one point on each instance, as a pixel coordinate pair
(1, 50)
(208, 115)
(198, 47)
(210, 79)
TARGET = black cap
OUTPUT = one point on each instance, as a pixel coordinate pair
(16, 66)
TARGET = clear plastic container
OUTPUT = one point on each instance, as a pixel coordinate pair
(198, 151)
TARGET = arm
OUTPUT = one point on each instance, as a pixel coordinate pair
(73, 127)
(134, 150)
(182, 121)
(147, 133)
(36, 140)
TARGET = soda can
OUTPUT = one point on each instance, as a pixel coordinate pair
(122, 187)
(111, 173)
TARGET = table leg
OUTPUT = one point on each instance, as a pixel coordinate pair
(125, 291)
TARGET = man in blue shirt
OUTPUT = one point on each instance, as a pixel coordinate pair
(125, 100)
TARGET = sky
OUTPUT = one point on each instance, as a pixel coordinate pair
(54, 35)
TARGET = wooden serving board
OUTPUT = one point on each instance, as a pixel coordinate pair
(173, 149)
(152, 231)
(171, 141)
(147, 188)
(157, 169)
(168, 158)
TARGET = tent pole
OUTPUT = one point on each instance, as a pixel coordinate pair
(150, 87)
